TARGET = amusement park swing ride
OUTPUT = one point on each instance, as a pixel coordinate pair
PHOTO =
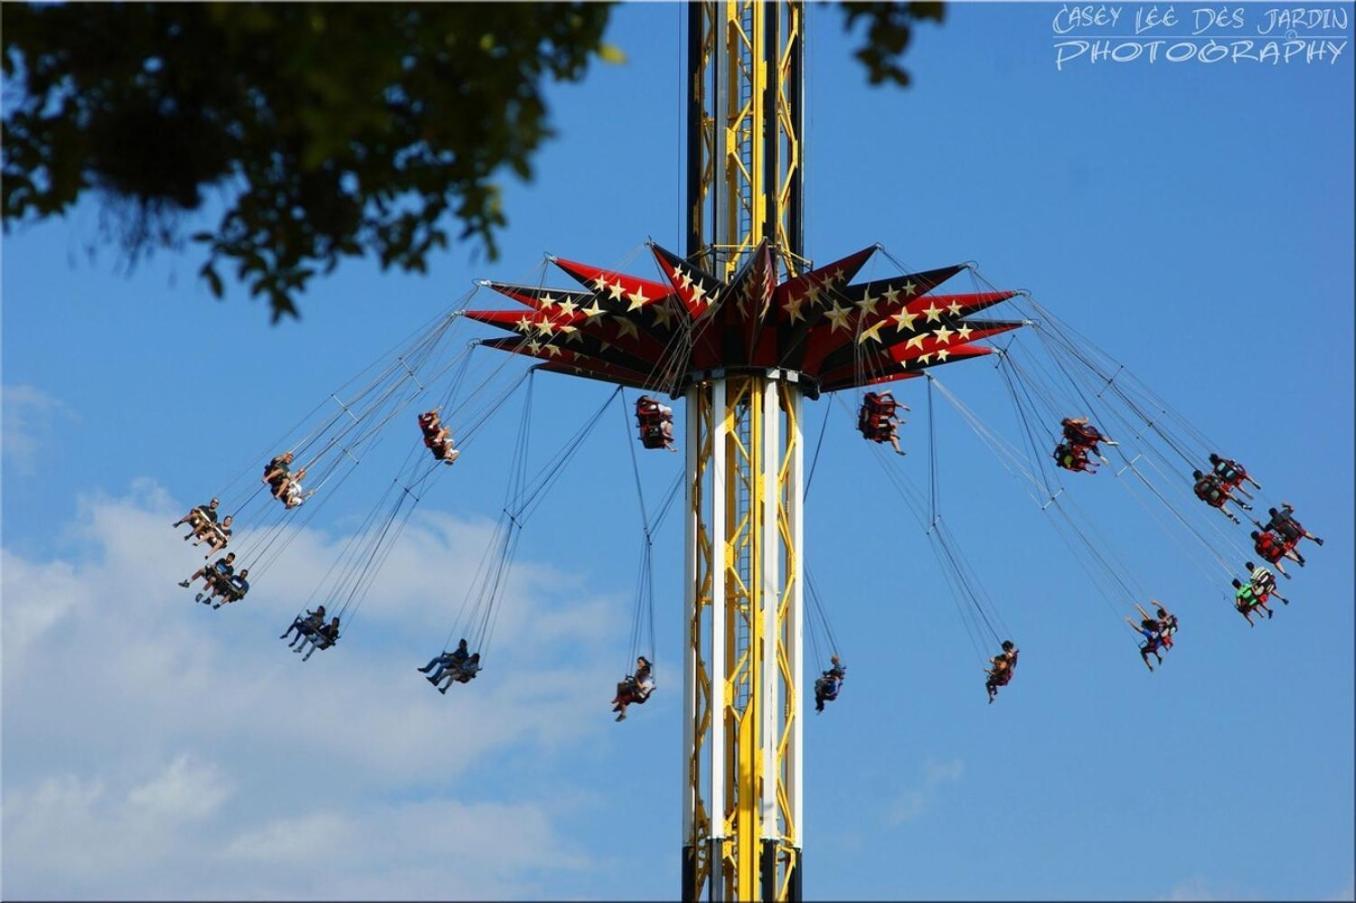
(747, 332)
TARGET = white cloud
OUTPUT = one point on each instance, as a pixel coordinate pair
(1197, 888)
(29, 418)
(154, 747)
(912, 803)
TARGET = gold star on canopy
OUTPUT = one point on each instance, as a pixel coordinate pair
(872, 332)
(890, 295)
(637, 299)
(904, 320)
(933, 312)
(924, 358)
(698, 293)
(553, 351)
(545, 327)
(573, 336)
(868, 304)
(793, 306)
(615, 290)
(568, 307)
(814, 292)
(593, 310)
(626, 327)
(954, 308)
(524, 324)
(964, 332)
(916, 341)
(838, 316)
(943, 354)
(663, 315)
(910, 289)
(548, 300)
(598, 282)
(943, 335)
(534, 346)
(684, 280)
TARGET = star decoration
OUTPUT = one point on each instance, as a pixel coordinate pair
(838, 316)
(933, 313)
(548, 301)
(637, 299)
(954, 308)
(910, 289)
(593, 310)
(872, 332)
(964, 332)
(904, 320)
(943, 335)
(793, 305)
(868, 304)
(663, 315)
(568, 307)
(615, 290)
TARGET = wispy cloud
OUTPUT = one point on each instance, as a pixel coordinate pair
(30, 419)
(1198, 888)
(913, 802)
(154, 747)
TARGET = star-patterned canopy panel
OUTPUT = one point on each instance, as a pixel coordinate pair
(835, 332)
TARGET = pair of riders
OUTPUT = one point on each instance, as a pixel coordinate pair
(1248, 597)
(830, 683)
(1217, 487)
(1080, 439)
(1157, 632)
(1279, 536)
(1253, 595)
(1000, 669)
(204, 527)
(877, 420)
(222, 583)
(285, 485)
(635, 688)
(312, 629)
(654, 421)
(460, 665)
(437, 437)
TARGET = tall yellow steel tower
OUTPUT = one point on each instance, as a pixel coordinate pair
(742, 671)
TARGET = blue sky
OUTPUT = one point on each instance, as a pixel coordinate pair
(1195, 220)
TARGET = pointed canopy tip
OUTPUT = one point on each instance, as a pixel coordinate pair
(550, 258)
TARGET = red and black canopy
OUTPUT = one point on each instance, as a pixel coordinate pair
(834, 332)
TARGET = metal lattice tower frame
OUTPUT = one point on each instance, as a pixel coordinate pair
(743, 833)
